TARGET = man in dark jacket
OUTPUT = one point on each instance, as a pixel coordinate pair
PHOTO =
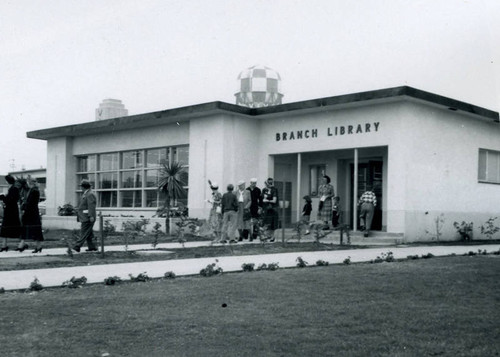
(229, 206)
(86, 216)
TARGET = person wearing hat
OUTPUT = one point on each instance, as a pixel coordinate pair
(215, 216)
(11, 224)
(270, 204)
(86, 215)
(244, 202)
(255, 208)
(326, 193)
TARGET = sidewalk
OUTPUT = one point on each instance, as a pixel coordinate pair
(54, 277)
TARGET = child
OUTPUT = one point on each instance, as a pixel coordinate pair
(306, 213)
(337, 211)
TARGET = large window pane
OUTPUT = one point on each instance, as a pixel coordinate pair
(493, 167)
(88, 177)
(132, 159)
(107, 199)
(152, 178)
(155, 198)
(183, 155)
(108, 162)
(108, 180)
(482, 165)
(156, 157)
(86, 163)
(131, 198)
(131, 179)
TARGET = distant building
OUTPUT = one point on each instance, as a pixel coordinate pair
(39, 174)
(110, 108)
(426, 156)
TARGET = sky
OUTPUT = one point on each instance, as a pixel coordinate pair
(60, 58)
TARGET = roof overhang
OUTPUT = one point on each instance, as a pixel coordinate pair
(183, 114)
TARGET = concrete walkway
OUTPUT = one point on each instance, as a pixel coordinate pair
(53, 277)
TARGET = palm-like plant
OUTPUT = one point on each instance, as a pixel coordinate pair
(172, 181)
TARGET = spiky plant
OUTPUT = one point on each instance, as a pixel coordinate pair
(172, 181)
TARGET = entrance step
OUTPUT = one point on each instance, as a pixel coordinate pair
(358, 238)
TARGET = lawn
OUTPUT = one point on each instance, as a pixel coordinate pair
(434, 307)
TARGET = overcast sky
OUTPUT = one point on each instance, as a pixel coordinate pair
(60, 58)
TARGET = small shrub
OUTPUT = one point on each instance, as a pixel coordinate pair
(108, 228)
(75, 282)
(321, 263)
(428, 256)
(248, 266)
(470, 254)
(2, 290)
(169, 275)
(66, 210)
(270, 266)
(489, 229)
(112, 280)
(412, 257)
(301, 263)
(211, 270)
(157, 232)
(465, 230)
(482, 252)
(35, 285)
(142, 277)
(347, 260)
(384, 257)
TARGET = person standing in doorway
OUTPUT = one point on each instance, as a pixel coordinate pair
(270, 204)
(86, 216)
(255, 208)
(325, 193)
(367, 203)
(11, 224)
(32, 224)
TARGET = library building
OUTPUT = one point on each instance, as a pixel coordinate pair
(426, 156)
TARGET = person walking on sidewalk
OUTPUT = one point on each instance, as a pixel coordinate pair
(32, 224)
(86, 216)
(11, 224)
(229, 206)
(367, 203)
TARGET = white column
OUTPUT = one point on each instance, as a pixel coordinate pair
(299, 185)
(355, 194)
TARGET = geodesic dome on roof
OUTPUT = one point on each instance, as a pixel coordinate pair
(259, 86)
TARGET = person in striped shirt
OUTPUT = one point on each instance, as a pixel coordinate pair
(367, 203)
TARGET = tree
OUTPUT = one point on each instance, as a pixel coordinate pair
(173, 178)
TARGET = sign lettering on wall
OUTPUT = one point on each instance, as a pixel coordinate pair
(330, 131)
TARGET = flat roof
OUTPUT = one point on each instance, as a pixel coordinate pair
(186, 113)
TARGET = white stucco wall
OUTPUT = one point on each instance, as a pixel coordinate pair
(443, 176)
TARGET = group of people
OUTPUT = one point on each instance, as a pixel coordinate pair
(21, 217)
(236, 215)
(329, 208)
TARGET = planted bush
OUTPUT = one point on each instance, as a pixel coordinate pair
(301, 263)
(248, 266)
(270, 266)
(142, 277)
(211, 270)
(347, 260)
(112, 280)
(75, 282)
(35, 285)
(321, 263)
(169, 275)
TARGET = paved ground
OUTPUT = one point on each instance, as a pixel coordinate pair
(53, 277)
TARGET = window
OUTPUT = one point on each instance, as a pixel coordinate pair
(316, 172)
(489, 166)
(130, 179)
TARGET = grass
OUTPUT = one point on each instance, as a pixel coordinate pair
(434, 307)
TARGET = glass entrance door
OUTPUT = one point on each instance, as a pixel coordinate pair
(369, 173)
